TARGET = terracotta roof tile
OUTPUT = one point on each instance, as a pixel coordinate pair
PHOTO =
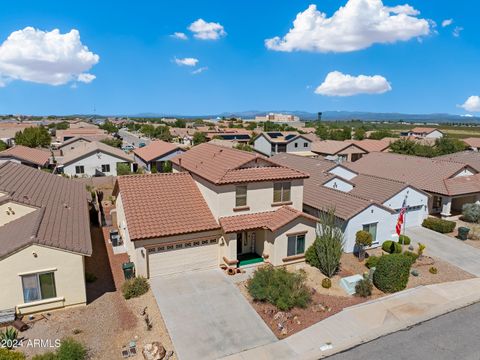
(158, 205)
(270, 220)
(425, 130)
(470, 158)
(222, 165)
(155, 150)
(38, 157)
(473, 142)
(332, 147)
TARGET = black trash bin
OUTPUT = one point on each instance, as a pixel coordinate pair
(463, 232)
(128, 270)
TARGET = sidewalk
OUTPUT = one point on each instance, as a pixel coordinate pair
(370, 320)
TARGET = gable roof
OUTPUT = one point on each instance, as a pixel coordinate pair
(38, 157)
(332, 147)
(269, 220)
(371, 145)
(92, 148)
(178, 207)
(73, 140)
(428, 174)
(221, 165)
(60, 219)
(471, 158)
(282, 136)
(155, 150)
(425, 130)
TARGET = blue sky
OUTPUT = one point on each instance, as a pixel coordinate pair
(136, 71)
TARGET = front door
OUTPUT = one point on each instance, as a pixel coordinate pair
(239, 243)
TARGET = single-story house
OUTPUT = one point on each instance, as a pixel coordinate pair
(338, 150)
(93, 159)
(96, 134)
(451, 180)
(36, 158)
(45, 237)
(473, 143)
(360, 202)
(155, 155)
(425, 132)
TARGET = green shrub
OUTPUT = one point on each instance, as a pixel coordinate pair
(279, 287)
(69, 349)
(471, 212)
(421, 249)
(326, 283)
(135, 287)
(404, 240)
(392, 272)
(391, 247)
(439, 225)
(371, 261)
(411, 255)
(6, 354)
(363, 288)
(433, 270)
(311, 256)
(8, 337)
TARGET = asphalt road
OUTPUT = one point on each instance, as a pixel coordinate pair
(132, 139)
(455, 335)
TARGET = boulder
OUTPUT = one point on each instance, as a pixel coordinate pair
(153, 351)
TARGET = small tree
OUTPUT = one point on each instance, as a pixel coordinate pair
(33, 137)
(329, 244)
(363, 239)
(199, 138)
(471, 212)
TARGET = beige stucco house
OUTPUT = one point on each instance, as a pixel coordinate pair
(45, 236)
(220, 207)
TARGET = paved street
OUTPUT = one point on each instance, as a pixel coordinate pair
(451, 336)
(132, 139)
(207, 316)
(444, 247)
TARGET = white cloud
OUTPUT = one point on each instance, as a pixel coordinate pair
(199, 70)
(206, 30)
(186, 61)
(339, 84)
(456, 32)
(472, 104)
(46, 57)
(179, 35)
(447, 22)
(357, 25)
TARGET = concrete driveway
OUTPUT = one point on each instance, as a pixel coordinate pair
(207, 316)
(454, 251)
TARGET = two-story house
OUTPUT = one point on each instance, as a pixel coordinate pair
(221, 206)
(276, 142)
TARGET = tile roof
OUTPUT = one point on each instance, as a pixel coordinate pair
(371, 145)
(282, 138)
(158, 205)
(463, 184)
(155, 150)
(346, 204)
(75, 139)
(92, 148)
(221, 165)
(423, 173)
(425, 130)
(38, 157)
(332, 147)
(473, 142)
(471, 158)
(270, 220)
(61, 219)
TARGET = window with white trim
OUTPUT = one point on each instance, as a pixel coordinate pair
(79, 169)
(39, 286)
(240, 195)
(296, 245)
(105, 168)
(281, 192)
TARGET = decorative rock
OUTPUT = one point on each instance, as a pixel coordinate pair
(153, 351)
(414, 273)
(411, 248)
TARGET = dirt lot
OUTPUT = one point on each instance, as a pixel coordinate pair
(108, 322)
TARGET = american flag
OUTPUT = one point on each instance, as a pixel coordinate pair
(398, 228)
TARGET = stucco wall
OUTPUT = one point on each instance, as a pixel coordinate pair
(434, 135)
(343, 172)
(262, 145)
(417, 203)
(92, 163)
(69, 278)
(300, 145)
(79, 144)
(339, 184)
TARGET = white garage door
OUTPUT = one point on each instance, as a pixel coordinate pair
(188, 256)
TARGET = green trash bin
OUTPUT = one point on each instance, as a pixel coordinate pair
(463, 232)
(128, 270)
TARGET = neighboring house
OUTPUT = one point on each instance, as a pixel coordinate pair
(425, 132)
(93, 159)
(275, 142)
(452, 182)
(73, 144)
(360, 202)
(96, 134)
(339, 151)
(182, 136)
(473, 143)
(220, 207)
(9, 129)
(230, 134)
(36, 158)
(45, 236)
(155, 155)
(372, 145)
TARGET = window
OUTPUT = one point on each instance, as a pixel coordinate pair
(80, 169)
(296, 245)
(38, 287)
(241, 195)
(372, 229)
(305, 144)
(105, 168)
(281, 192)
(437, 202)
(296, 145)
